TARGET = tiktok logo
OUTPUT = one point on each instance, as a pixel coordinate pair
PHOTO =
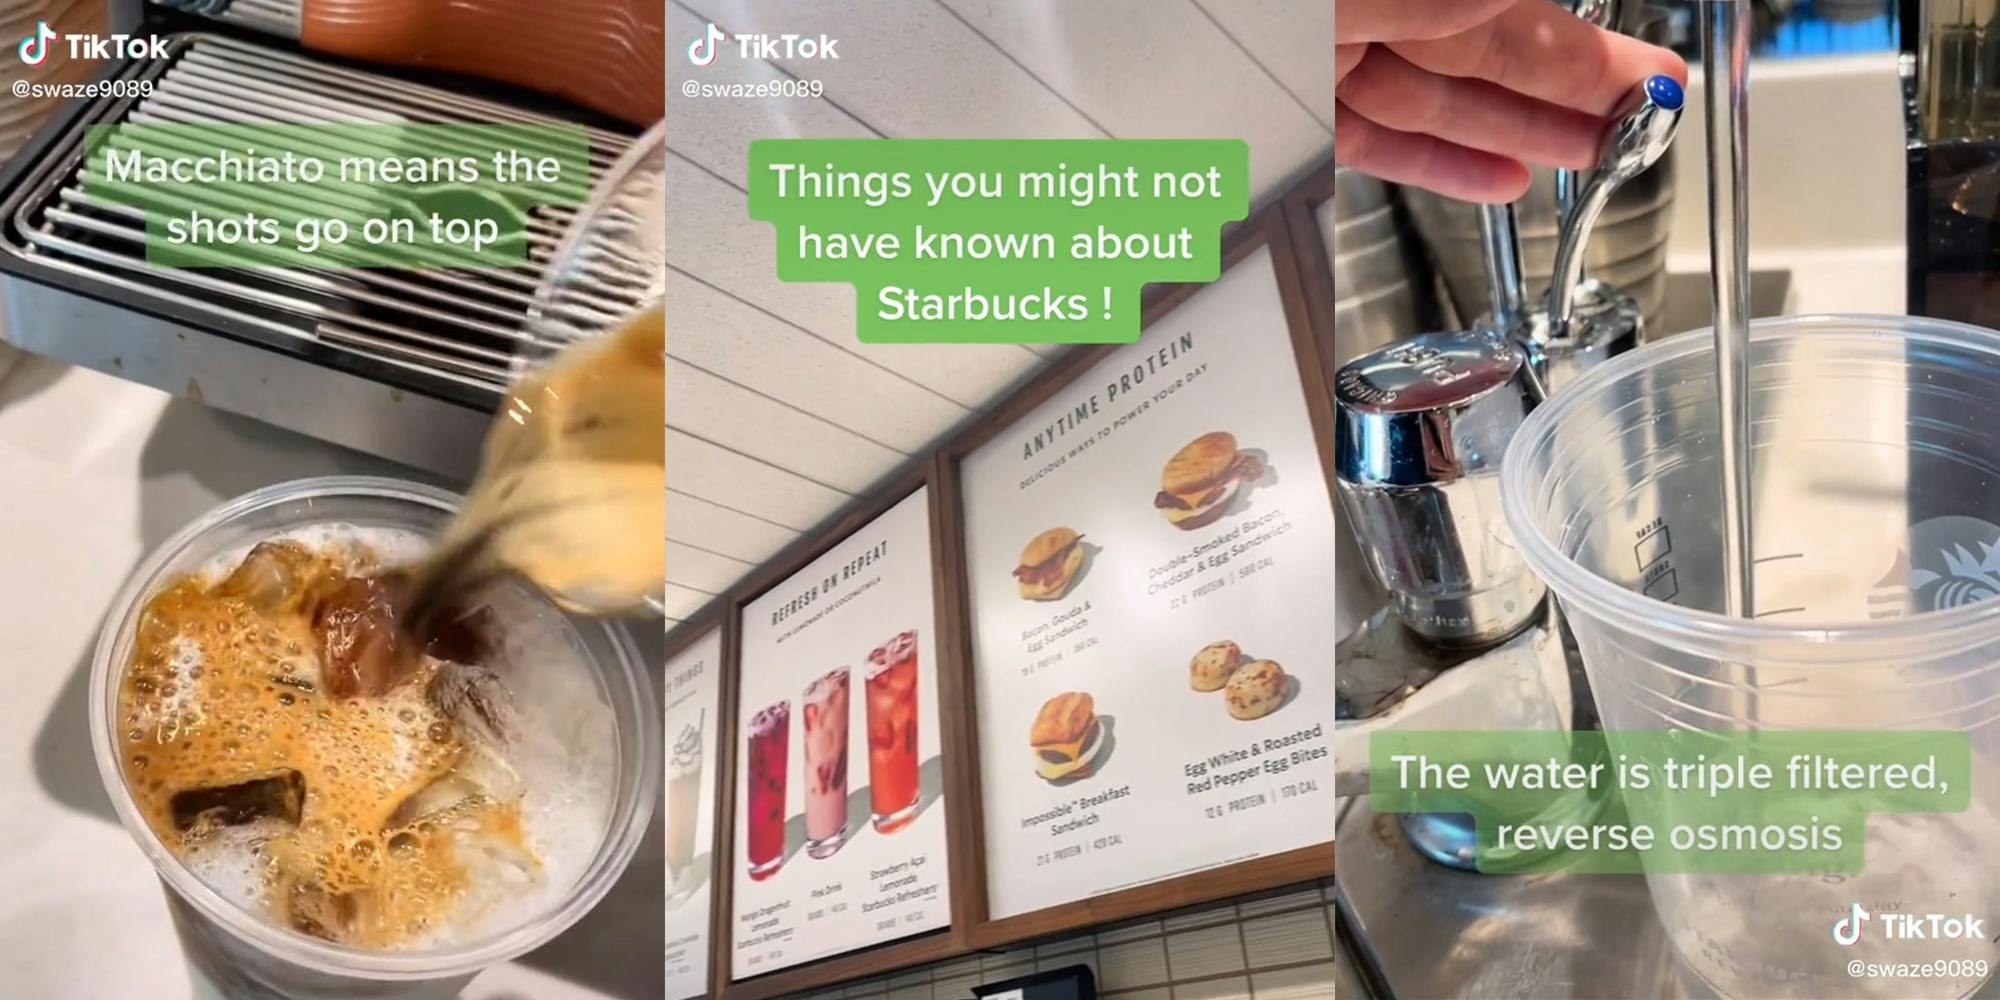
(701, 51)
(35, 47)
(1847, 930)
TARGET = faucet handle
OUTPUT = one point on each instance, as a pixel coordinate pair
(1602, 14)
(1643, 127)
(1640, 132)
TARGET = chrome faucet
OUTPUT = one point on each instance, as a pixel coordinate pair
(1419, 430)
(1422, 425)
(1470, 638)
(1641, 130)
(1579, 323)
(1601, 13)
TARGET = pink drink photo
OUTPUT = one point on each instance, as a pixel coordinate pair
(825, 707)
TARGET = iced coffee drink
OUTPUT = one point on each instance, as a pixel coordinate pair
(892, 732)
(309, 761)
(769, 759)
(825, 705)
(683, 809)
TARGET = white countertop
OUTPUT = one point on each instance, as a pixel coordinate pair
(1826, 182)
(95, 472)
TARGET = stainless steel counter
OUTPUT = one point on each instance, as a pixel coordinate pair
(1435, 933)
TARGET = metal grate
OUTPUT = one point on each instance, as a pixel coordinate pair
(467, 326)
(278, 17)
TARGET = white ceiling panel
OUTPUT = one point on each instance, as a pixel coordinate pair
(910, 69)
(756, 426)
(699, 569)
(1158, 69)
(727, 337)
(715, 242)
(682, 602)
(722, 530)
(1293, 39)
(703, 469)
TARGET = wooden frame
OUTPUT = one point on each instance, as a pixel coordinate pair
(1301, 208)
(953, 708)
(1267, 229)
(712, 618)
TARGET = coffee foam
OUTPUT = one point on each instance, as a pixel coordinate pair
(562, 750)
(560, 747)
(361, 549)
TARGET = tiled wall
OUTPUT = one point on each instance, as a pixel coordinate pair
(1277, 946)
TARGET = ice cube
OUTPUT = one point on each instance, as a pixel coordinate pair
(280, 796)
(491, 858)
(464, 636)
(270, 577)
(361, 652)
(442, 795)
(497, 867)
(483, 766)
(473, 697)
(310, 909)
(479, 776)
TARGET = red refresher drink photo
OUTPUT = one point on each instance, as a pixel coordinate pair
(892, 732)
(770, 758)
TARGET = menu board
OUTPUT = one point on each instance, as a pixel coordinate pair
(1149, 554)
(691, 725)
(840, 837)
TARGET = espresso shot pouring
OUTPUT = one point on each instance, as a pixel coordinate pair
(571, 492)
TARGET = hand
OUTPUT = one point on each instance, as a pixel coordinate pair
(1458, 96)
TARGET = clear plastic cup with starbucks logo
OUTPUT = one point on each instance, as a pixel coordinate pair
(1876, 515)
(581, 757)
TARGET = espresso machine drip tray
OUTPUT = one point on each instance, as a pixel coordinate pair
(400, 363)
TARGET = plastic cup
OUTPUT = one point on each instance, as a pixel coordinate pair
(244, 952)
(1876, 500)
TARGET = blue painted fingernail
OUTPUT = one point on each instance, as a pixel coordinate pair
(1663, 91)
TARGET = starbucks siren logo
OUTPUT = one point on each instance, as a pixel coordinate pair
(1954, 561)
